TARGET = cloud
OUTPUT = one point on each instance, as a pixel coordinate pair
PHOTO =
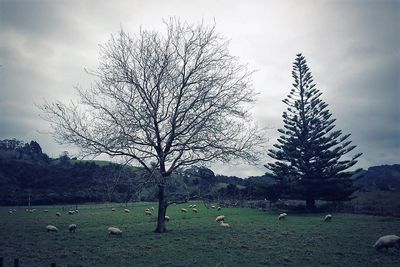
(352, 49)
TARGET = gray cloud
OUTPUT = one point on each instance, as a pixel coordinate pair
(352, 48)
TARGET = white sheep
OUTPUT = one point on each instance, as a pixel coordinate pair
(72, 228)
(194, 210)
(114, 231)
(190, 206)
(213, 207)
(167, 218)
(387, 242)
(148, 212)
(194, 206)
(126, 210)
(10, 212)
(45, 210)
(152, 208)
(51, 228)
(71, 212)
(147, 209)
(282, 216)
(328, 218)
(76, 211)
(226, 225)
(219, 208)
(113, 209)
(183, 210)
(220, 218)
(58, 214)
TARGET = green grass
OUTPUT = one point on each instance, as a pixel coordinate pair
(255, 238)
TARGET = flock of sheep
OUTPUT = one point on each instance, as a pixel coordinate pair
(386, 241)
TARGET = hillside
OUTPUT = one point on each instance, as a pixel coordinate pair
(385, 177)
(28, 174)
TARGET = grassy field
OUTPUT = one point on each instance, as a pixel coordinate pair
(255, 238)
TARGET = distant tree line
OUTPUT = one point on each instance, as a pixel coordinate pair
(28, 173)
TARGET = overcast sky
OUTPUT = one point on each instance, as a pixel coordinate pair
(352, 49)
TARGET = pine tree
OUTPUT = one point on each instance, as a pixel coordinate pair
(309, 151)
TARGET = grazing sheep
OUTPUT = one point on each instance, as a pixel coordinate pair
(45, 210)
(51, 228)
(213, 207)
(31, 211)
(194, 210)
(72, 228)
(148, 212)
(10, 212)
(147, 209)
(76, 211)
(58, 214)
(194, 206)
(114, 231)
(219, 208)
(112, 209)
(190, 206)
(71, 212)
(126, 210)
(328, 218)
(225, 225)
(152, 208)
(282, 216)
(183, 210)
(387, 242)
(220, 218)
(167, 218)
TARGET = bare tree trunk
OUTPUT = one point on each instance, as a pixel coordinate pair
(162, 208)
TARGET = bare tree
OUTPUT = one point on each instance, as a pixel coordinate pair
(165, 100)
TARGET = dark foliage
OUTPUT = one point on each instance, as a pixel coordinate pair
(309, 163)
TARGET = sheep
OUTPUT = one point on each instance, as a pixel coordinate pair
(213, 207)
(126, 210)
(58, 214)
(72, 228)
(183, 210)
(114, 231)
(10, 212)
(387, 242)
(113, 209)
(45, 210)
(71, 212)
(194, 210)
(51, 228)
(147, 209)
(152, 208)
(225, 225)
(76, 211)
(282, 216)
(219, 208)
(167, 218)
(148, 212)
(328, 218)
(190, 206)
(220, 218)
(194, 206)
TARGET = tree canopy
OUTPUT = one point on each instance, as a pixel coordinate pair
(309, 153)
(165, 101)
